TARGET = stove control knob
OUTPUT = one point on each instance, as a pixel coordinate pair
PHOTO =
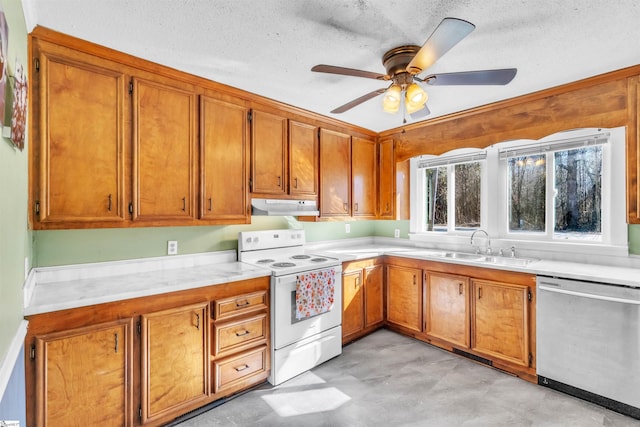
(255, 240)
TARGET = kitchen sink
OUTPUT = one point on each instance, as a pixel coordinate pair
(469, 257)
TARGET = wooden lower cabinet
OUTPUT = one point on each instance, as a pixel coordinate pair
(447, 308)
(362, 298)
(83, 376)
(404, 297)
(146, 361)
(500, 321)
(174, 360)
(483, 313)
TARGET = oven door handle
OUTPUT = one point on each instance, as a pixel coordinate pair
(590, 296)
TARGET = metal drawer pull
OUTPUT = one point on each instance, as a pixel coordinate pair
(279, 181)
(210, 204)
(243, 304)
(460, 288)
(116, 338)
(356, 206)
(197, 321)
(346, 207)
(479, 292)
(184, 203)
(241, 334)
(109, 206)
(295, 182)
(241, 368)
(414, 279)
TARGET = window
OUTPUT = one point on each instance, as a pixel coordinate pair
(567, 188)
(569, 206)
(451, 189)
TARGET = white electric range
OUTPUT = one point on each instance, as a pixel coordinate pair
(297, 344)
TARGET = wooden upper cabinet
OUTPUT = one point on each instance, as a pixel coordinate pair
(174, 360)
(224, 161)
(364, 168)
(500, 320)
(447, 308)
(79, 145)
(268, 153)
(335, 173)
(83, 376)
(386, 180)
(404, 297)
(303, 159)
(164, 151)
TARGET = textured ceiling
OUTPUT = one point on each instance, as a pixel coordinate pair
(269, 46)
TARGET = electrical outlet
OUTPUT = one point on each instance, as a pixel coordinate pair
(172, 247)
(347, 228)
(396, 233)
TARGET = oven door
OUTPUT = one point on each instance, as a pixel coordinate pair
(286, 329)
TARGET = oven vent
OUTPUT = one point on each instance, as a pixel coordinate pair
(473, 357)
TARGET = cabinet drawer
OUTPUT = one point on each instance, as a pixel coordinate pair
(231, 371)
(239, 334)
(241, 304)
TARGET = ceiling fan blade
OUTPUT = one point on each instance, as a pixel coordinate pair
(423, 112)
(358, 101)
(484, 77)
(449, 33)
(332, 69)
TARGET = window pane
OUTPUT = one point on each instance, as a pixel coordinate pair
(527, 203)
(436, 199)
(467, 195)
(578, 202)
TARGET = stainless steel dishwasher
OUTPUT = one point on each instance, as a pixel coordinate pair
(588, 341)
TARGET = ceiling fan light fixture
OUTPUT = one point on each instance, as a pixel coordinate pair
(415, 98)
(391, 100)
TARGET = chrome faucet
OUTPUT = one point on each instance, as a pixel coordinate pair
(487, 249)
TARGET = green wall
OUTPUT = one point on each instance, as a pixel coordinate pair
(15, 239)
(82, 246)
(59, 247)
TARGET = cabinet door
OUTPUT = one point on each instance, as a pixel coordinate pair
(268, 153)
(83, 376)
(223, 153)
(386, 170)
(80, 138)
(174, 360)
(404, 297)
(335, 173)
(352, 302)
(164, 151)
(303, 159)
(500, 321)
(363, 175)
(447, 308)
(374, 307)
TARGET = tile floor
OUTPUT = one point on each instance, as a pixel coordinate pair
(386, 379)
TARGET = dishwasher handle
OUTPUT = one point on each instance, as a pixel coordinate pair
(591, 296)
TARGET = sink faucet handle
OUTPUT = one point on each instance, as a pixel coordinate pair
(501, 252)
(513, 251)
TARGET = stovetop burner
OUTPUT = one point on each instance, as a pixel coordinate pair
(318, 259)
(265, 261)
(283, 264)
(300, 257)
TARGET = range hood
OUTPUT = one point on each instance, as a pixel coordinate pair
(277, 207)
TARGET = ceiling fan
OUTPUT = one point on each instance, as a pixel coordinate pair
(404, 63)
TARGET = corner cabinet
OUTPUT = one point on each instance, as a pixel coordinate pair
(164, 151)
(115, 364)
(362, 298)
(224, 157)
(80, 103)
